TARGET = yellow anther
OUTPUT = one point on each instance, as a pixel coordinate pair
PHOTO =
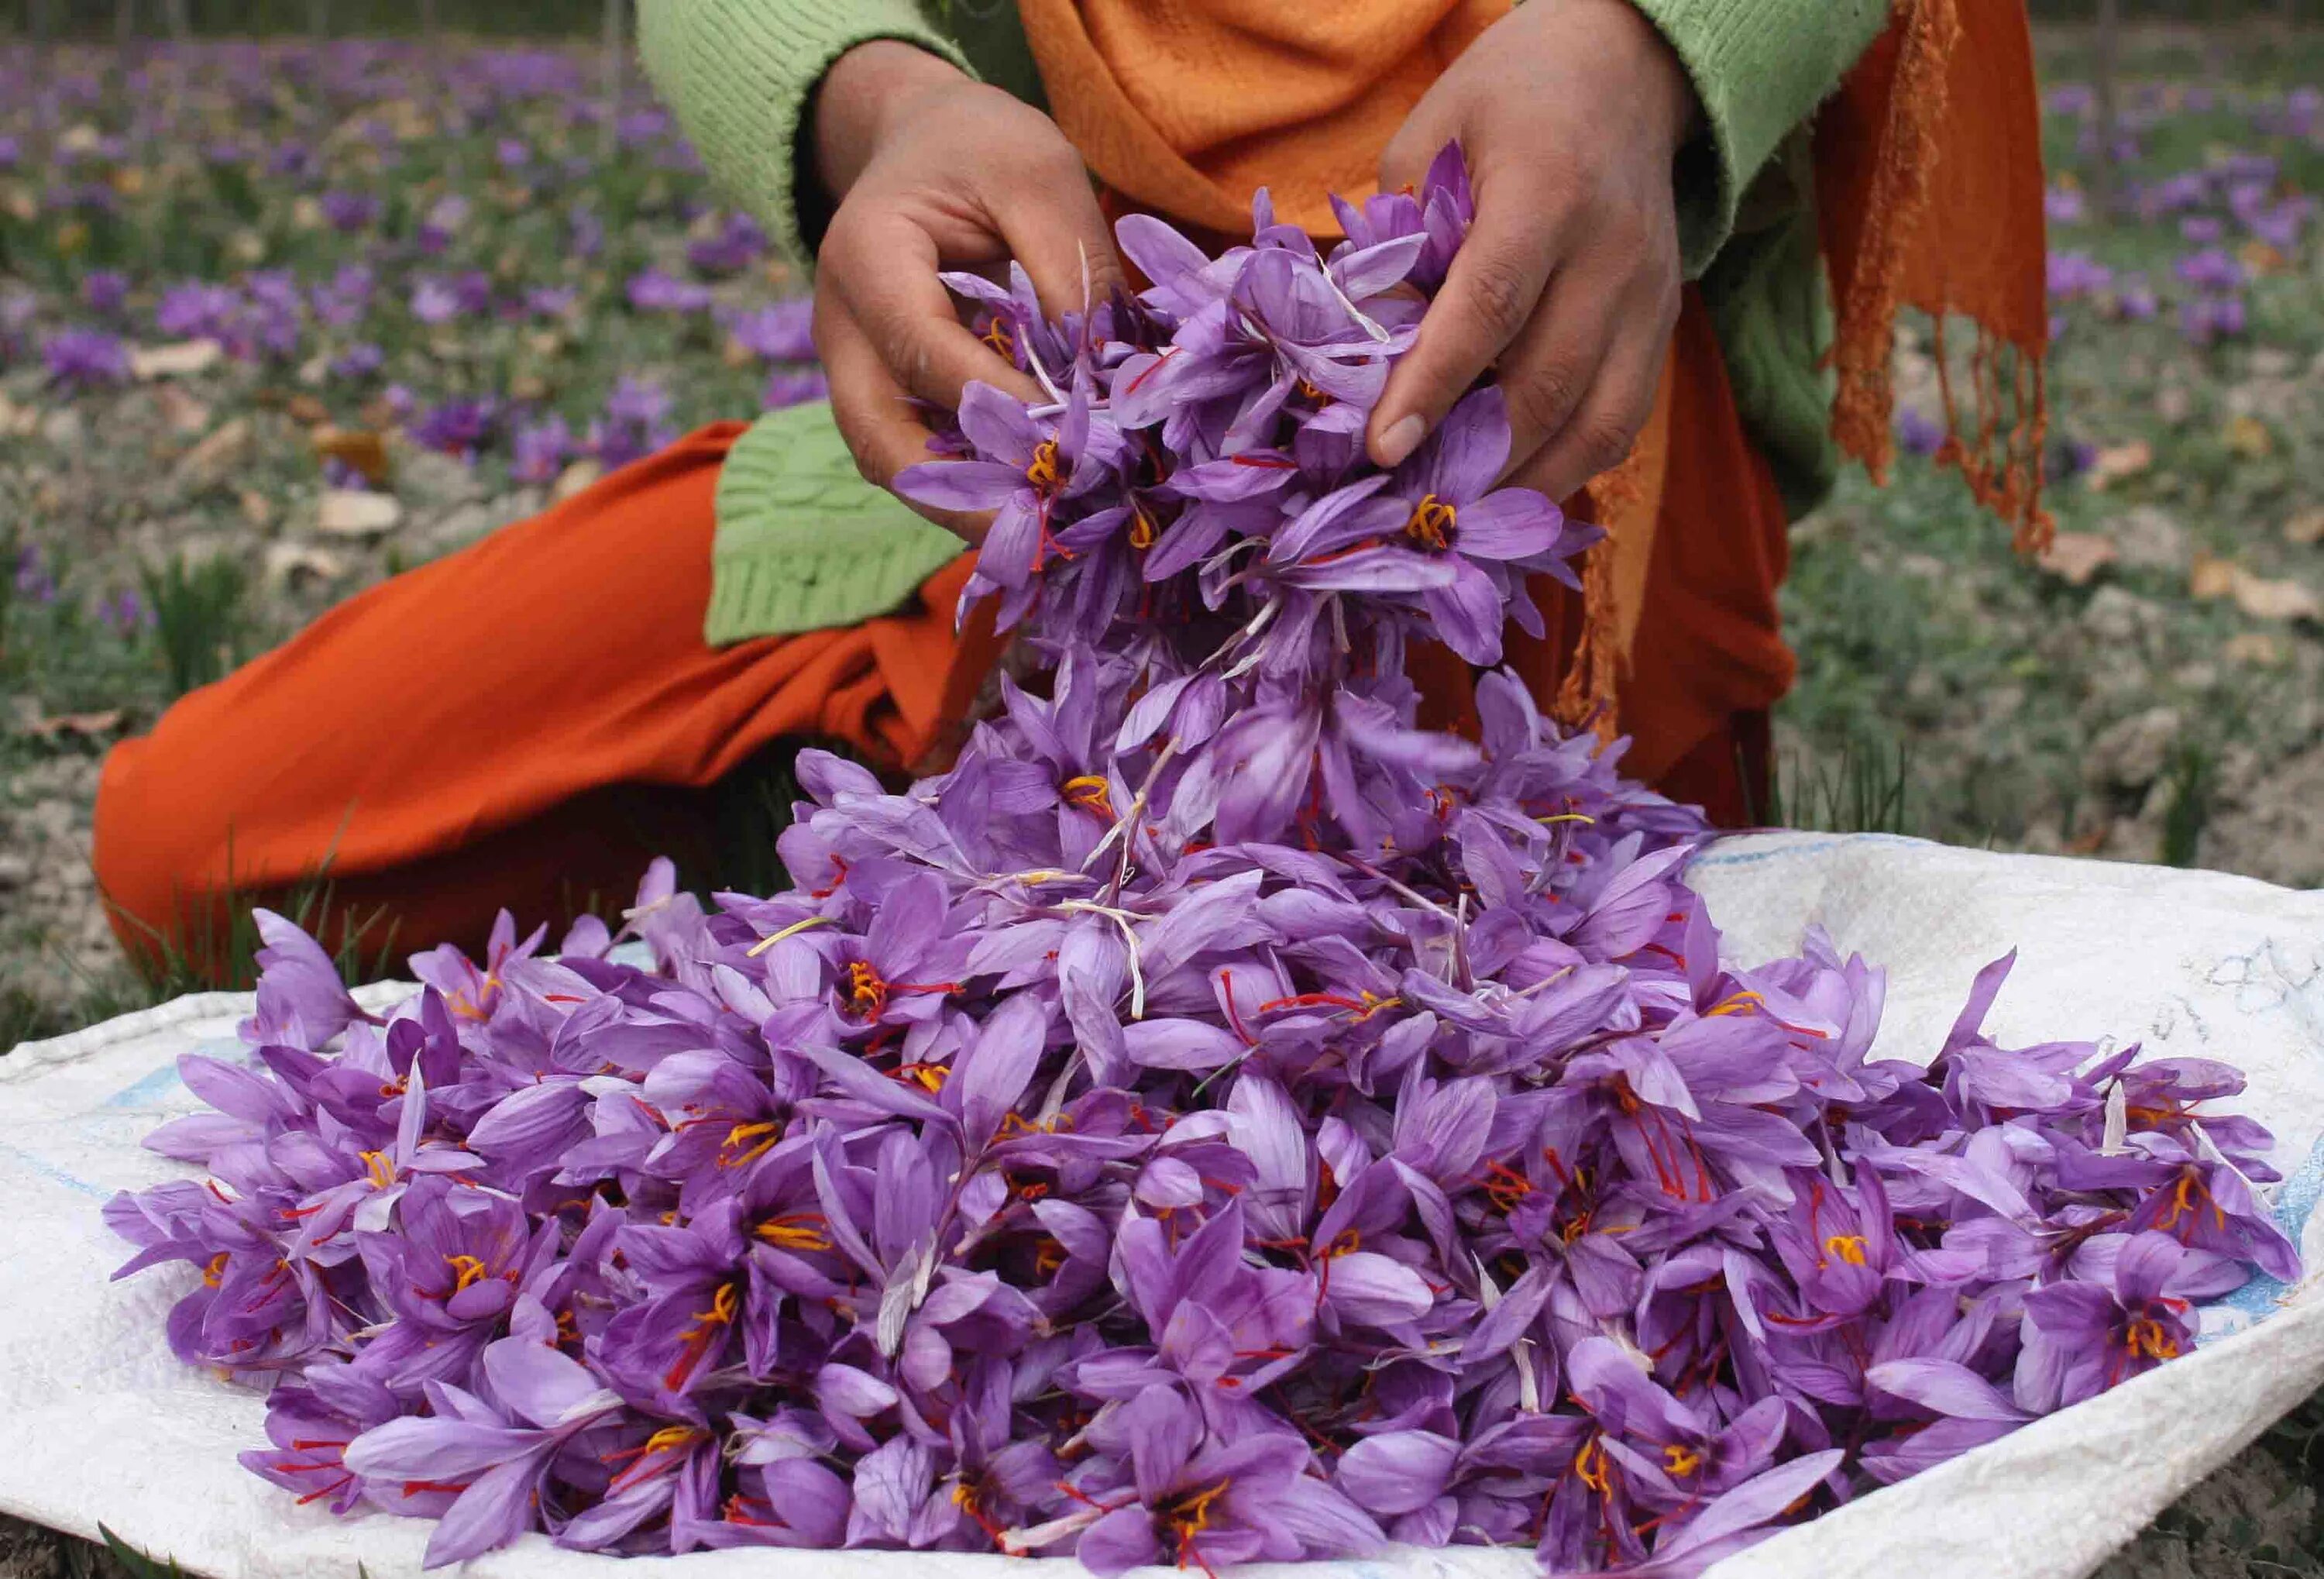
(1432, 523)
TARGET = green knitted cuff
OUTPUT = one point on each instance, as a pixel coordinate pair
(1760, 68)
(739, 75)
(804, 543)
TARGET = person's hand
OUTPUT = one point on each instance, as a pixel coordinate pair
(1570, 113)
(934, 171)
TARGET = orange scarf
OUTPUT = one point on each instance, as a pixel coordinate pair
(1930, 187)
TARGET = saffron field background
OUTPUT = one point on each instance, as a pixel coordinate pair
(279, 319)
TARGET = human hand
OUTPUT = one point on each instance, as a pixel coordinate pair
(934, 171)
(1570, 113)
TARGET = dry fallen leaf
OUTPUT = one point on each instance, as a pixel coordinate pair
(357, 448)
(209, 464)
(2261, 598)
(580, 475)
(2248, 437)
(89, 726)
(2255, 648)
(2306, 527)
(179, 411)
(2074, 556)
(2277, 600)
(2261, 260)
(2211, 577)
(293, 564)
(182, 360)
(352, 513)
(2114, 463)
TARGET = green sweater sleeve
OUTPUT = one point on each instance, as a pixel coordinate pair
(739, 73)
(1760, 68)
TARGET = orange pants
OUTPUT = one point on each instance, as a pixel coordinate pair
(528, 722)
(523, 723)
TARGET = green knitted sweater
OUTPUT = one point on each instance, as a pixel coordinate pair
(802, 543)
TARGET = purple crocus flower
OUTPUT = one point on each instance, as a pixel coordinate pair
(485, 1465)
(31, 580)
(1215, 1120)
(124, 613)
(789, 386)
(657, 291)
(539, 451)
(1027, 468)
(106, 291)
(782, 331)
(359, 361)
(196, 311)
(2082, 1338)
(458, 427)
(442, 220)
(1194, 1500)
(84, 358)
(737, 243)
(348, 212)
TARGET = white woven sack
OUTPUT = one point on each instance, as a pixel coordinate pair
(100, 1424)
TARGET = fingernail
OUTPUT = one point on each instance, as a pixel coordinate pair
(1403, 437)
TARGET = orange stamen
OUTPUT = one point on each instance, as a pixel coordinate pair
(1848, 1247)
(1091, 792)
(1431, 522)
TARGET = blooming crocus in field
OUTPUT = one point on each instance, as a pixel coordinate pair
(793, 386)
(2211, 269)
(539, 451)
(552, 301)
(657, 291)
(442, 220)
(2065, 205)
(197, 309)
(31, 578)
(738, 243)
(1917, 431)
(458, 427)
(782, 331)
(359, 361)
(124, 613)
(348, 212)
(84, 358)
(2074, 275)
(106, 291)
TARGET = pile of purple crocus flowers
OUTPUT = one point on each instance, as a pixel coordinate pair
(1216, 1121)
